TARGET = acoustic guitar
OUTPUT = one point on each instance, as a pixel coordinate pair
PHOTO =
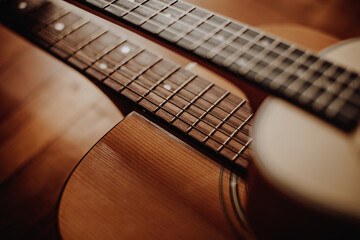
(139, 180)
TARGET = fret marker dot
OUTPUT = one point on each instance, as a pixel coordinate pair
(167, 87)
(264, 42)
(241, 61)
(103, 66)
(299, 72)
(168, 15)
(220, 37)
(59, 26)
(125, 49)
(22, 5)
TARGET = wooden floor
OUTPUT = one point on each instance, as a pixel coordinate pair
(50, 116)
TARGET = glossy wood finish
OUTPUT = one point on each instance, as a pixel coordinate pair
(101, 198)
(40, 161)
(48, 122)
(124, 189)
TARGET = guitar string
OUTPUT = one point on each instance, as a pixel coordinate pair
(311, 95)
(73, 29)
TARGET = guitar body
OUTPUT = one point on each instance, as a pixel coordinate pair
(307, 170)
(142, 182)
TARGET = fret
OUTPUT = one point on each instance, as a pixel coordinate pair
(168, 111)
(125, 70)
(120, 54)
(244, 45)
(223, 39)
(200, 13)
(45, 15)
(182, 6)
(158, 23)
(141, 62)
(206, 112)
(121, 7)
(193, 100)
(95, 50)
(155, 5)
(244, 154)
(225, 118)
(270, 63)
(208, 46)
(237, 132)
(179, 97)
(100, 3)
(113, 84)
(168, 2)
(156, 85)
(77, 39)
(60, 28)
(139, 15)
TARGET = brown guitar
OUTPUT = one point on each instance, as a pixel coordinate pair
(123, 188)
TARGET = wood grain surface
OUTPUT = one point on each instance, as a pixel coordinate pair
(50, 115)
(123, 188)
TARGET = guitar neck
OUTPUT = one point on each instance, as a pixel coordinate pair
(211, 115)
(283, 69)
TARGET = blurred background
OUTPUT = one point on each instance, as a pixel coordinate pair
(50, 115)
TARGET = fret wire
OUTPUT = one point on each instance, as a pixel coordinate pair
(256, 59)
(177, 116)
(179, 88)
(231, 137)
(126, 11)
(233, 57)
(216, 128)
(297, 81)
(162, 79)
(52, 19)
(277, 62)
(85, 42)
(71, 29)
(227, 42)
(187, 25)
(110, 48)
(208, 34)
(125, 61)
(162, 107)
(116, 68)
(192, 101)
(189, 90)
(143, 6)
(55, 17)
(157, 12)
(296, 63)
(106, 3)
(242, 150)
(207, 111)
(145, 69)
(300, 76)
(101, 54)
(159, 106)
(260, 57)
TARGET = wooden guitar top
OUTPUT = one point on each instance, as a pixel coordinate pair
(124, 189)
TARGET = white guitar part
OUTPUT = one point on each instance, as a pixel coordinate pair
(306, 158)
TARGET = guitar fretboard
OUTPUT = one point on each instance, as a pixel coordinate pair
(285, 70)
(211, 115)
